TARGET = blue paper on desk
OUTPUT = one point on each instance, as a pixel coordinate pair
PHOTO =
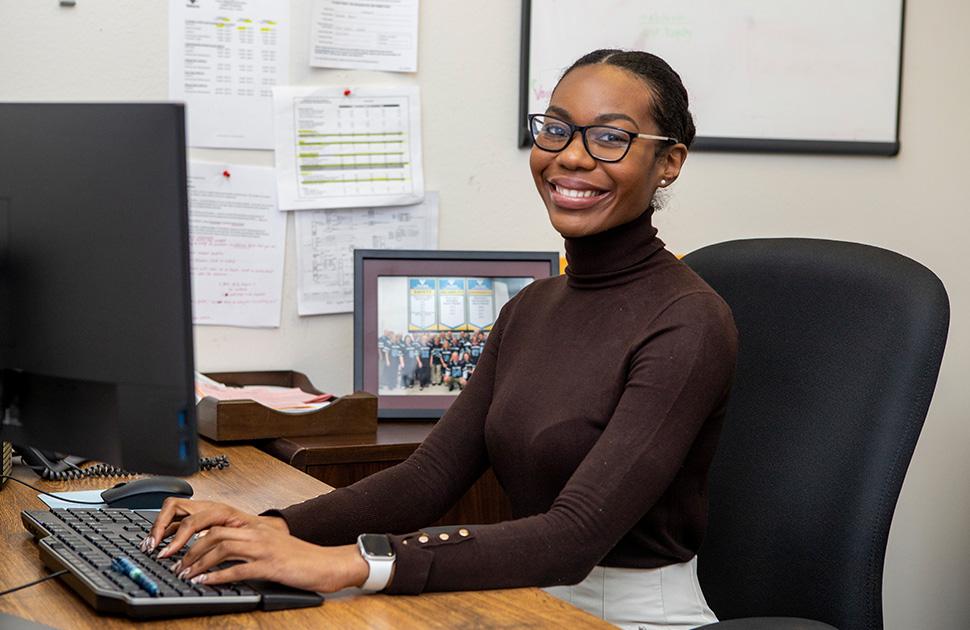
(79, 495)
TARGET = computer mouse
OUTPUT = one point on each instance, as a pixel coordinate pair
(147, 493)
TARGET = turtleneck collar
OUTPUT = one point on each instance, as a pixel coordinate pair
(609, 257)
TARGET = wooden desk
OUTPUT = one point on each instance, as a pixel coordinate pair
(255, 482)
(341, 460)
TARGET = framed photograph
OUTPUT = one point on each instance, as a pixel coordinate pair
(422, 318)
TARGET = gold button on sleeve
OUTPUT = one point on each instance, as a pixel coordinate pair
(463, 532)
(443, 536)
(423, 539)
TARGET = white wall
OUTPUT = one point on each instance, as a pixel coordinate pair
(468, 71)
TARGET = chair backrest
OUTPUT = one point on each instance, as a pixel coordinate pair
(840, 347)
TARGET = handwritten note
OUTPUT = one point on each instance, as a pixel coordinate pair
(236, 238)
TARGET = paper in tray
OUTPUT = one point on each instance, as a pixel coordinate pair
(223, 420)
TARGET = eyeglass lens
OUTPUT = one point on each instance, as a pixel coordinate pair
(603, 143)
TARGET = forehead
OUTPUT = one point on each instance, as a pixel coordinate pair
(591, 91)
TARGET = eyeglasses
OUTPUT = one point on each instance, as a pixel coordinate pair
(602, 142)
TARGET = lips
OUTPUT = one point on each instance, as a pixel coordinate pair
(575, 194)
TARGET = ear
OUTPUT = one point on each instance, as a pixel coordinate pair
(672, 161)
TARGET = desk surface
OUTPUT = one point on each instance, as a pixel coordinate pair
(56, 604)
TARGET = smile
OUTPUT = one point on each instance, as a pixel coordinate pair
(575, 198)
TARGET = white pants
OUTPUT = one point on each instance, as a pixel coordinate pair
(642, 599)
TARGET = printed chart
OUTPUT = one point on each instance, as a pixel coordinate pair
(337, 151)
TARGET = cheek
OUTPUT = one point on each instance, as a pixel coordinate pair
(538, 161)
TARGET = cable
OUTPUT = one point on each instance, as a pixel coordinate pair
(59, 498)
(98, 470)
(43, 579)
(106, 470)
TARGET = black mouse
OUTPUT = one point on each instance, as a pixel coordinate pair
(146, 494)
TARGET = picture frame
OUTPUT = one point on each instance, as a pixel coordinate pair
(409, 303)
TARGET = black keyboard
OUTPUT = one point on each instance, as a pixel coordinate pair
(85, 542)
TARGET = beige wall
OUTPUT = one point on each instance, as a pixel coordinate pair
(468, 71)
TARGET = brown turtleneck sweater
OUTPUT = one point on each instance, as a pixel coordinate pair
(597, 401)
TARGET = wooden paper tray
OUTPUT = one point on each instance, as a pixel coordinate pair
(354, 414)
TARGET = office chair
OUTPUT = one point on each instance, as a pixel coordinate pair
(840, 348)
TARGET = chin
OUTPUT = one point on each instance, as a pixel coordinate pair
(568, 227)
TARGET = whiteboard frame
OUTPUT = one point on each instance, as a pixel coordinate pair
(731, 144)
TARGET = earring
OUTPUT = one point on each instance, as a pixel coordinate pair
(663, 182)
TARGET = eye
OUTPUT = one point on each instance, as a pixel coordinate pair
(608, 137)
(554, 129)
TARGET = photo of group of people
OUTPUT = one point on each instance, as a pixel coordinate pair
(428, 363)
(432, 329)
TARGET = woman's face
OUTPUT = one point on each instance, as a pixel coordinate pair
(609, 194)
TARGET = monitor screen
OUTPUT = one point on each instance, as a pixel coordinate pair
(95, 306)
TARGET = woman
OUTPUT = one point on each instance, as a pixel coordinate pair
(605, 459)
(411, 363)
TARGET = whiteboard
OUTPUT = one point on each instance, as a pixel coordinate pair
(762, 75)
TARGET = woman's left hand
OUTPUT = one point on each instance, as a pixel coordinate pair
(269, 554)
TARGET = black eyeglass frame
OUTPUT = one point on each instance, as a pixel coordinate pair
(582, 129)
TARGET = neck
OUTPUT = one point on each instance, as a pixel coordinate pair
(611, 255)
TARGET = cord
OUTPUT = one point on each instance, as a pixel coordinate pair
(218, 462)
(43, 579)
(106, 470)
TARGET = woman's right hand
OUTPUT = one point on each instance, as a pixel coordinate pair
(184, 518)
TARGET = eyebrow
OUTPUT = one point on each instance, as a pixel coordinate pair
(552, 109)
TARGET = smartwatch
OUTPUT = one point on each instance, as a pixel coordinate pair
(377, 551)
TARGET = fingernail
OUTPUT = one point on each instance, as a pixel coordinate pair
(200, 578)
(150, 542)
(163, 552)
(183, 574)
(144, 544)
(175, 567)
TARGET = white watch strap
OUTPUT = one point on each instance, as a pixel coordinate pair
(380, 573)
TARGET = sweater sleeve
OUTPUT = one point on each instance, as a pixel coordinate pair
(419, 490)
(677, 376)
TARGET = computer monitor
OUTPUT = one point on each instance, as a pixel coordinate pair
(95, 304)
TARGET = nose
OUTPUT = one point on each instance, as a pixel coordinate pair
(575, 156)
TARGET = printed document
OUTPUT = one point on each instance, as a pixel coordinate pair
(340, 150)
(237, 240)
(365, 35)
(225, 56)
(326, 240)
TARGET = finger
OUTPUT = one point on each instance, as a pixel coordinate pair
(221, 552)
(235, 573)
(191, 525)
(205, 544)
(172, 509)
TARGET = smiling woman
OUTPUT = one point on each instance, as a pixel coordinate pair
(597, 401)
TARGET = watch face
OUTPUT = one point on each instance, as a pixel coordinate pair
(376, 545)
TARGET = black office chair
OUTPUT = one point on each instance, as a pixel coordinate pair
(840, 347)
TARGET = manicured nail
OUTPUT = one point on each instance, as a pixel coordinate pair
(175, 567)
(150, 544)
(164, 552)
(183, 574)
(200, 578)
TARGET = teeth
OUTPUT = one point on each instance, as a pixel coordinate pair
(570, 192)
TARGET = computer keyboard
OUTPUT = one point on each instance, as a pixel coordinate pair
(86, 541)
